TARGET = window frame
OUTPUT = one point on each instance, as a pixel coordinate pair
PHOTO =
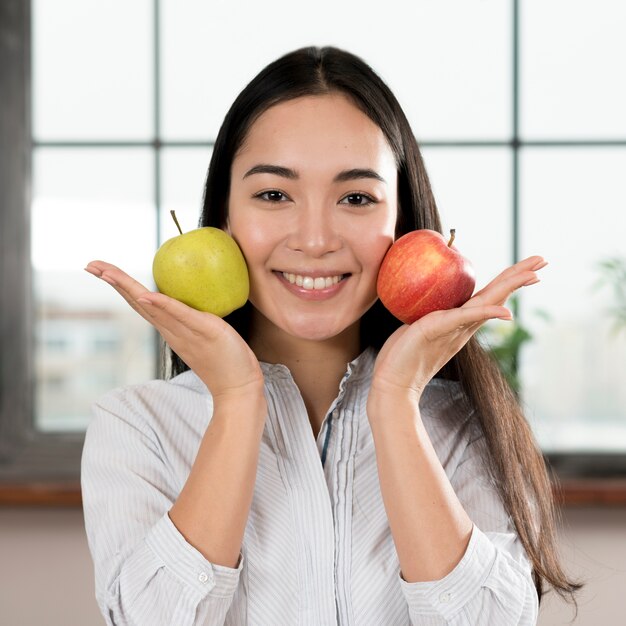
(43, 468)
(26, 454)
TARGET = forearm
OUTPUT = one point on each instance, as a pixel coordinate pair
(430, 528)
(212, 509)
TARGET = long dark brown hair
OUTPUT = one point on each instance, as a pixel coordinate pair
(515, 460)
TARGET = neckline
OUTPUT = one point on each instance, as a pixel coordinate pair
(355, 369)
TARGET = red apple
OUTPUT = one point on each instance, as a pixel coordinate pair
(421, 273)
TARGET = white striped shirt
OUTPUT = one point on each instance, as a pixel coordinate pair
(317, 548)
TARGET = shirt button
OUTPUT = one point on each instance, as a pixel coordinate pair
(202, 577)
(445, 597)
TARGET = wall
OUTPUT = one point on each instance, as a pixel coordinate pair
(46, 574)
(593, 546)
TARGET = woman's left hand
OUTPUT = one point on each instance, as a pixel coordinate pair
(413, 354)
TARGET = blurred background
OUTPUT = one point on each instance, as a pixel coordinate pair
(109, 113)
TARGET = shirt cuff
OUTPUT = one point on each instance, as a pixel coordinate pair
(188, 564)
(447, 596)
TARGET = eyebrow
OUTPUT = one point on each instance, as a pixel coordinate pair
(343, 176)
(357, 173)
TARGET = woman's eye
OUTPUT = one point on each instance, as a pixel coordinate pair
(273, 195)
(358, 199)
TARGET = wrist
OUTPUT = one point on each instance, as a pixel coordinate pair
(392, 403)
(249, 405)
(386, 392)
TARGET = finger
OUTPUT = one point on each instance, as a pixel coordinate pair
(534, 263)
(173, 319)
(129, 288)
(464, 321)
(116, 277)
(506, 315)
(480, 314)
(531, 263)
(97, 267)
(500, 288)
(176, 318)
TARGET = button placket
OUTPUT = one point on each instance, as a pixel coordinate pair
(347, 436)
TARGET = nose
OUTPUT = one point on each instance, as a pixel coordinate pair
(314, 231)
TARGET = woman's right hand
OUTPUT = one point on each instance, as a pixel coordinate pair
(211, 347)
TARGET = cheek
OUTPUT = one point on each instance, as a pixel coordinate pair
(376, 251)
(253, 236)
(374, 242)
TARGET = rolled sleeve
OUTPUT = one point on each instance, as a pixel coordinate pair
(188, 564)
(492, 583)
(446, 597)
(486, 587)
(145, 570)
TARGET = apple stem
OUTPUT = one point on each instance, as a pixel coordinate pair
(452, 231)
(173, 214)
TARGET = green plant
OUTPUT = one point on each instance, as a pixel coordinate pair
(613, 273)
(505, 341)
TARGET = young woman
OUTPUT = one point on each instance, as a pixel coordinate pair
(312, 460)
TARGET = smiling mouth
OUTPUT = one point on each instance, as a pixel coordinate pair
(311, 283)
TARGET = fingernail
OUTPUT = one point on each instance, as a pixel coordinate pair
(108, 279)
(94, 271)
(534, 281)
(145, 301)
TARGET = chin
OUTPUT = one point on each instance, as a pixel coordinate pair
(311, 324)
(313, 330)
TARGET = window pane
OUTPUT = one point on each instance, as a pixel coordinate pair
(88, 204)
(448, 62)
(573, 369)
(472, 189)
(92, 69)
(183, 173)
(572, 57)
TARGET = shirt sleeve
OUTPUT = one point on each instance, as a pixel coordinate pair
(145, 571)
(492, 584)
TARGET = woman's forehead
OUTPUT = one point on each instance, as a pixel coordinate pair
(329, 127)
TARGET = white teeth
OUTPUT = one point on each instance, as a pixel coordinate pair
(308, 282)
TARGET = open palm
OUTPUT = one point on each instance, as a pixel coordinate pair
(413, 354)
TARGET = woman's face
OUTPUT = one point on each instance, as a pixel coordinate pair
(313, 206)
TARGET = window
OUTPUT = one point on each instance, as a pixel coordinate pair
(110, 124)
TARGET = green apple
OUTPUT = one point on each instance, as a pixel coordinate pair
(204, 268)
